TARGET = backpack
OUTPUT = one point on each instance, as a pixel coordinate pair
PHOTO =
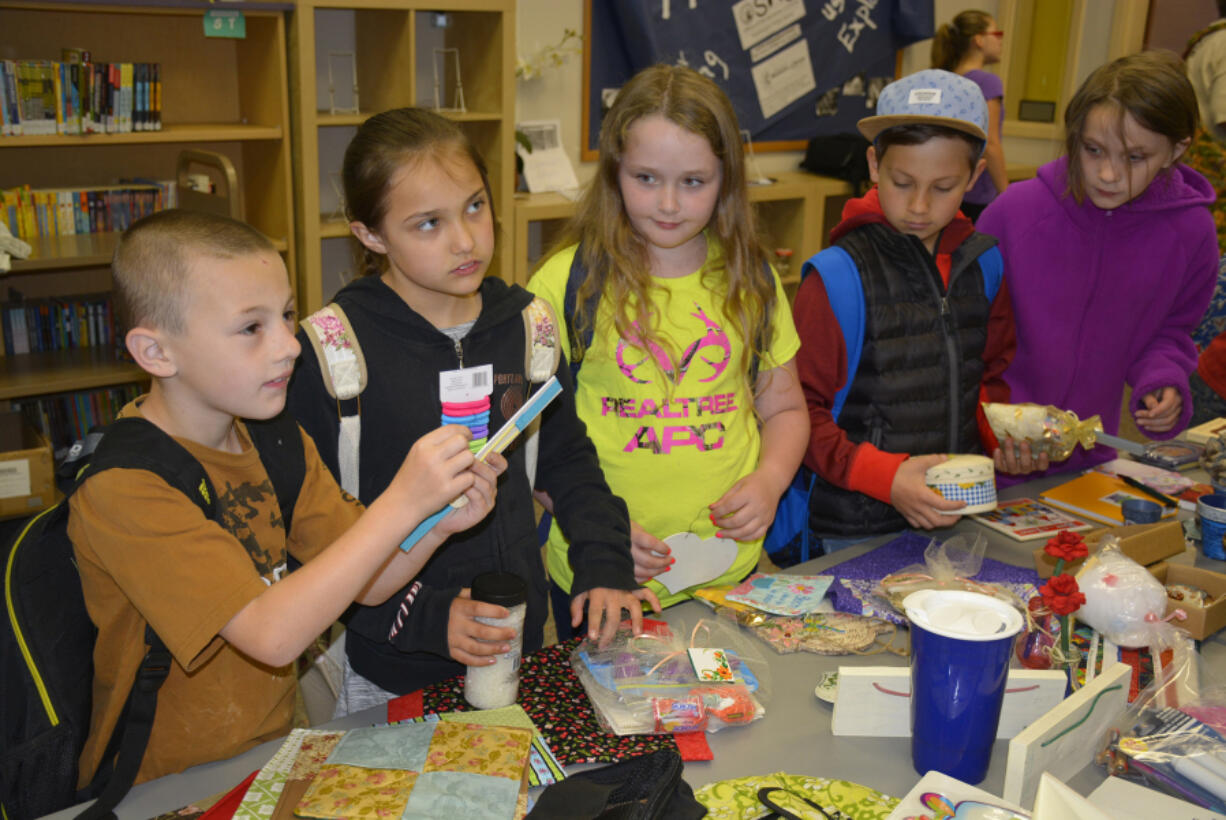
(343, 368)
(789, 535)
(842, 156)
(46, 647)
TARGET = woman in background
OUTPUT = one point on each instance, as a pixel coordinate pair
(964, 46)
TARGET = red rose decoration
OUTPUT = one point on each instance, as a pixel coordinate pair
(1067, 546)
(1062, 595)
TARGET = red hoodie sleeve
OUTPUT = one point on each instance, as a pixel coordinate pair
(998, 351)
(822, 364)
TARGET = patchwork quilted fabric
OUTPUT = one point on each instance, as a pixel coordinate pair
(414, 770)
(543, 767)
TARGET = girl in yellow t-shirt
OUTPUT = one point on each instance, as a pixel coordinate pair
(688, 385)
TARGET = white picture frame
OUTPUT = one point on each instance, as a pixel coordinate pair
(1058, 742)
(875, 701)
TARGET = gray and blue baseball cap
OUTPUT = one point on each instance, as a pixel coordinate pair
(932, 97)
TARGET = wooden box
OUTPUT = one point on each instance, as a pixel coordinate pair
(27, 469)
(1201, 621)
(1144, 543)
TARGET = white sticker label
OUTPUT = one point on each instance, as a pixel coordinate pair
(14, 478)
(466, 384)
(924, 96)
(757, 20)
(784, 78)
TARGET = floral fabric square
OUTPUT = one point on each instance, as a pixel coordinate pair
(496, 751)
(385, 747)
(351, 791)
(313, 753)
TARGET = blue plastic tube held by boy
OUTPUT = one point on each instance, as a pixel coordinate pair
(497, 443)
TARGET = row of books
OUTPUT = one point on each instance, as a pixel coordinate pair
(36, 326)
(66, 418)
(77, 96)
(33, 212)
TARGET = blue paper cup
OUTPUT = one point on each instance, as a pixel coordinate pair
(1211, 510)
(961, 643)
(1140, 511)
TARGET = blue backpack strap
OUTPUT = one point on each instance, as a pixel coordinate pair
(845, 292)
(846, 295)
(992, 264)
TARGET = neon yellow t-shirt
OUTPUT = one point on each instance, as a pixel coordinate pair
(670, 453)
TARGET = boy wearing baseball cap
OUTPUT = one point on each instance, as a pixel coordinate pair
(907, 325)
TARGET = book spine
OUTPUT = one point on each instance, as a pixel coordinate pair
(6, 324)
(6, 124)
(157, 97)
(56, 71)
(126, 79)
(112, 96)
(21, 334)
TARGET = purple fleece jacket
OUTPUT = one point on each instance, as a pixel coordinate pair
(1104, 297)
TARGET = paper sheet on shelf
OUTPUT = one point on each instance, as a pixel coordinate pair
(546, 167)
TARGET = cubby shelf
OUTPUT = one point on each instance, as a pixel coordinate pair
(390, 43)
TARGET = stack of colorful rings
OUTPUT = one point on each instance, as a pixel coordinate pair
(475, 415)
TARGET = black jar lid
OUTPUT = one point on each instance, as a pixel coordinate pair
(501, 588)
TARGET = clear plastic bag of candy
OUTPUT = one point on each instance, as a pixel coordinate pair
(1048, 429)
(691, 677)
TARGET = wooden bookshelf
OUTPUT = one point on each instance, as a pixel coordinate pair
(63, 371)
(82, 250)
(791, 214)
(393, 41)
(225, 95)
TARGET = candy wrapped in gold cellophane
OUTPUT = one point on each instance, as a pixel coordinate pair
(1048, 429)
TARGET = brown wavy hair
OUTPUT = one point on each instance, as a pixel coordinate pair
(617, 257)
(1151, 86)
(380, 147)
(953, 39)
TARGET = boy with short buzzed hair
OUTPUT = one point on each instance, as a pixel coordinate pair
(211, 318)
(933, 324)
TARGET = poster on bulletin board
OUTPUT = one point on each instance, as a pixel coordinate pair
(794, 69)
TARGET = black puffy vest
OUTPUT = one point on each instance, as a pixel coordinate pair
(917, 386)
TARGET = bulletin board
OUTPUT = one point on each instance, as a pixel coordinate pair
(794, 69)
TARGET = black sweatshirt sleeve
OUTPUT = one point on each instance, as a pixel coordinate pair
(594, 520)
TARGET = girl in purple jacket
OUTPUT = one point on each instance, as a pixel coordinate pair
(1111, 258)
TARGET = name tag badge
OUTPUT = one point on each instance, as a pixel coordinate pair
(466, 384)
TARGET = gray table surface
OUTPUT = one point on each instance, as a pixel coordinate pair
(793, 737)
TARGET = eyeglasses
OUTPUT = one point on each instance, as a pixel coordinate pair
(996, 33)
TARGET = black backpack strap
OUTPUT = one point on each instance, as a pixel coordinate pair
(137, 723)
(279, 443)
(578, 273)
(763, 339)
(135, 443)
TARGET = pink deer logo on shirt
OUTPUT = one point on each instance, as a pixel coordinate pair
(714, 337)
